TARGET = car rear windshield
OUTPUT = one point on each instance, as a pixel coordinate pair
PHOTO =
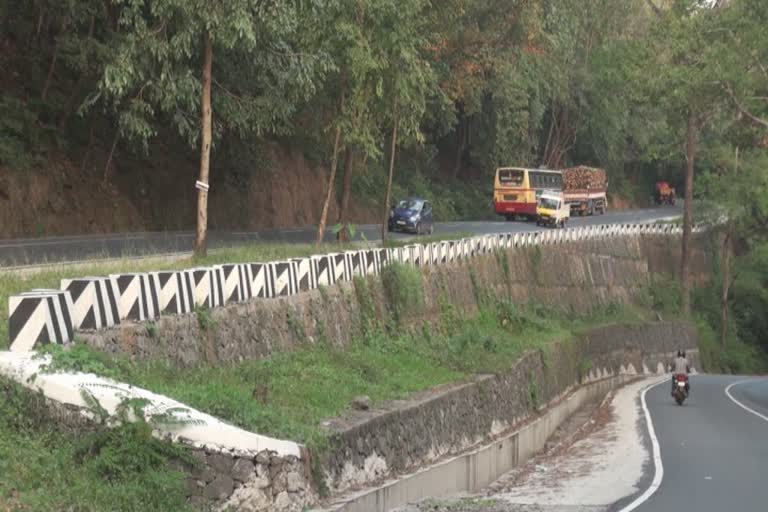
(411, 204)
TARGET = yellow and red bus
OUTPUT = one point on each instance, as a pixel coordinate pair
(516, 188)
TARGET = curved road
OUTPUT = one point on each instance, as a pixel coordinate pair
(714, 452)
(33, 251)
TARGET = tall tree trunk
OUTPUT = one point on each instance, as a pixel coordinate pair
(459, 145)
(201, 235)
(685, 259)
(727, 252)
(349, 169)
(727, 249)
(108, 165)
(388, 194)
(331, 177)
(51, 69)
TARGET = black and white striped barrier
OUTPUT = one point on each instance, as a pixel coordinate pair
(385, 257)
(355, 262)
(138, 297)
(94, 302)
(325, 269)
(372, 261)
(236, 287)
(341, 268)
(39, 317)
(284, 278)
(306, 273)
(208, 285)
(260, 277)
(177, 292)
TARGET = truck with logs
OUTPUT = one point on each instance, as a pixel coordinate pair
(585, 190)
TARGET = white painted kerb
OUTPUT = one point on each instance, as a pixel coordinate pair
(206, 431)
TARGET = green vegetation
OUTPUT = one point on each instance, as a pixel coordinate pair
(403, 290)
(204, 318)
(743, 348)
(533, 392)
(733, 331)
(42, 468)
(288, 395)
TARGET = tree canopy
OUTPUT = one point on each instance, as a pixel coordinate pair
(432, 95)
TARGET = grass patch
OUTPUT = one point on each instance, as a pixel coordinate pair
(403, 290)
(288, 395)
(42, 469)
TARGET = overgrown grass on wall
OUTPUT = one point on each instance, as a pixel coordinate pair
(42, 469)
(289, 394)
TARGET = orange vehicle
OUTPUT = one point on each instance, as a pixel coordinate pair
(516, 188)
(664, 194)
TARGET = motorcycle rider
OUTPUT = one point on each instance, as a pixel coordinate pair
(680, 366)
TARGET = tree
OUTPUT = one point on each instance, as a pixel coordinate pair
(407, 84)
(150, 78)
(487, 55)
(677, 74)
(348, 33)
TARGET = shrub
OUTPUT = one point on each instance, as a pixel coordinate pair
(403, 290)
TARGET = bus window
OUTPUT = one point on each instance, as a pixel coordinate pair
(510, 177)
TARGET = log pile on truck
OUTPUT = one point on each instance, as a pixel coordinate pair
(583, 177)
(585, 189)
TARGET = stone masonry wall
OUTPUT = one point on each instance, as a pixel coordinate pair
(368, 446)
(574, 275)
(264, 482)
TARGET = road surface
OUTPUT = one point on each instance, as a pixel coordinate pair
(714, 452)
(33, 251)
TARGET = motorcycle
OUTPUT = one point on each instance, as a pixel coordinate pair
(681, 388)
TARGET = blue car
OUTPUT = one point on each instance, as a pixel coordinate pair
(413, 215)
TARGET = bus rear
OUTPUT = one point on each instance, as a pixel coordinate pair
(512, 194)
(516, 189)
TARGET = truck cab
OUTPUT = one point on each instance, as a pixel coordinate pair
(552, 210)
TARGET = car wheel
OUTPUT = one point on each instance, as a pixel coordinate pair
(418, 228)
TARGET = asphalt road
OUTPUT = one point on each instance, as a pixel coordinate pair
(33, 251)
(714, 453)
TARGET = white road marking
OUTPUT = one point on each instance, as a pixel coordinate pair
(728, 394)
(659, 467)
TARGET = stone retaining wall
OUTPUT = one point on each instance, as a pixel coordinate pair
(575, 275)
(368, 446)
(264, 482)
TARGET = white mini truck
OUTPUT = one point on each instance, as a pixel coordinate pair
(552, 210)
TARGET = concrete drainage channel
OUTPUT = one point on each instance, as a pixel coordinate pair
(475, 470)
